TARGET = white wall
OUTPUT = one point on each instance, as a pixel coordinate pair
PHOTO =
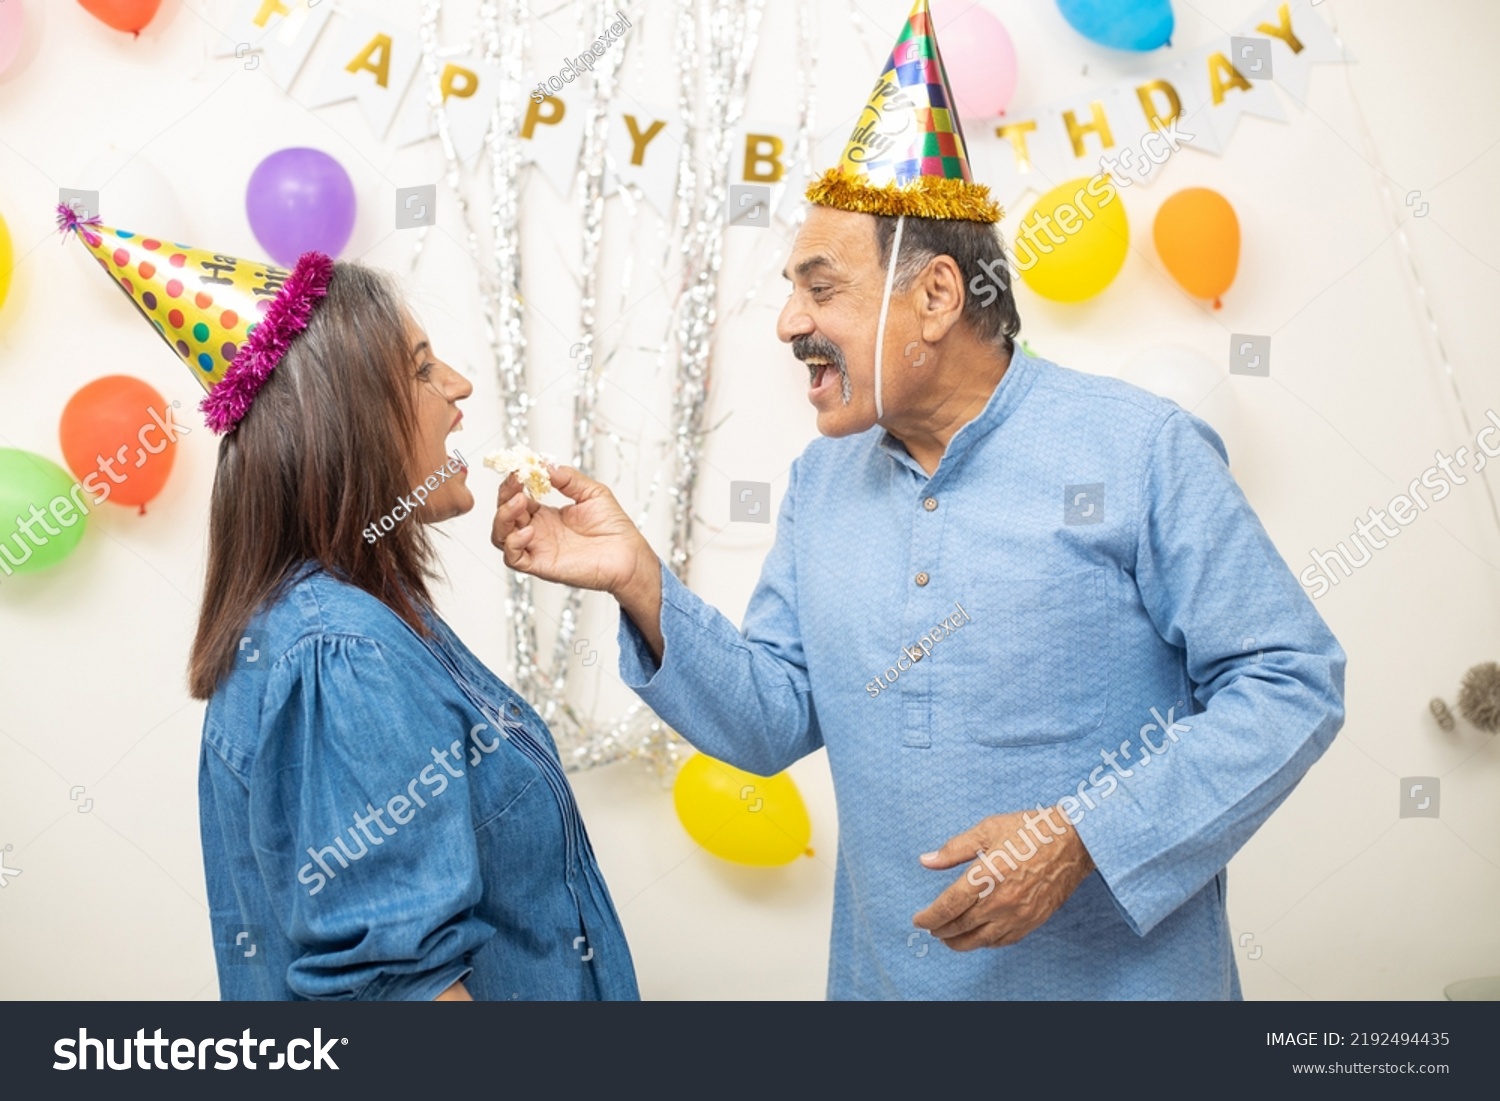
(1344, 899)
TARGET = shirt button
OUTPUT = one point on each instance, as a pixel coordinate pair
(922, 579)
(930, 504)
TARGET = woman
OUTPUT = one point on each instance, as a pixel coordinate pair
(382, 817)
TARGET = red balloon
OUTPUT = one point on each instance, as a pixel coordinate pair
(118, 434)
(122, 15)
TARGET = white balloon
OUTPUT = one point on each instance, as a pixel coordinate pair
(134, 194)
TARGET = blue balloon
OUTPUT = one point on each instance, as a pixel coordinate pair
(1123, 24)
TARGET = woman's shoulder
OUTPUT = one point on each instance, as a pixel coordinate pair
(316, 642)
(309, 623)
(316, 605)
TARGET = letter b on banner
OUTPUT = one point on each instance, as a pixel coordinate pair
(763, 158)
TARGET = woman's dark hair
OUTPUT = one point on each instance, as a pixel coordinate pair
(322, 453)
(989, 303)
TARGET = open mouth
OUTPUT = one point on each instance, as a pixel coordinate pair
(818, 371)
(824, 362)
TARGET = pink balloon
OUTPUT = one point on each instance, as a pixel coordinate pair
(12, 29)
(979, 56)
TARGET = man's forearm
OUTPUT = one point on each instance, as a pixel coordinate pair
(640, 599)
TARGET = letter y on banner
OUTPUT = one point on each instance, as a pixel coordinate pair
(644, 145)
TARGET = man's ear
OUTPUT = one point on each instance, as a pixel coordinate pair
(941, 296)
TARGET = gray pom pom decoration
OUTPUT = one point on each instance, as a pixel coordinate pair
(1441, 713)
(1479, 697)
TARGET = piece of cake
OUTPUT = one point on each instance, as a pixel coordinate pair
(529, 466)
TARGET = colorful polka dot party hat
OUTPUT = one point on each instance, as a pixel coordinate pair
(907, 154)
(229, 320)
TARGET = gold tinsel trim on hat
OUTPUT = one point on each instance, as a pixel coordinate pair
(924, 197)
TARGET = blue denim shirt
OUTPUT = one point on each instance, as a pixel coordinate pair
(382, 817)
(1077, 607)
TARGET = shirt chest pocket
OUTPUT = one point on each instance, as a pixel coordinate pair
(1033, 665)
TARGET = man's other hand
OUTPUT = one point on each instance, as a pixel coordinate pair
(1005, 894)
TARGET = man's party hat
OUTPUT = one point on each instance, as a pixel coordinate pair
(229, 320)
(907, 154)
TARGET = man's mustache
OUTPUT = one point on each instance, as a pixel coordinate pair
(811, 345)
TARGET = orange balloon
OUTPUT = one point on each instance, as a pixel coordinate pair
(117, 434)
(122, 15)
(1198, 237)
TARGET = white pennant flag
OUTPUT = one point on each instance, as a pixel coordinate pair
(1040, 148)
(372, 64)
(279, 32)
(468, 87)
(1298, 37)
(552, 139)
(644, 146)
(765, 154)
(1231, 93)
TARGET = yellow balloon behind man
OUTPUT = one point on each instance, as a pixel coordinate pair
(7, 258)
(1073, 241)
(739, 816)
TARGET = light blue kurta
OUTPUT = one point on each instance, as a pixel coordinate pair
(1162, 617)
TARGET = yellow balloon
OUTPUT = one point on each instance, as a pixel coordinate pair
(6, 259)
(1073, 242)
(740, 816)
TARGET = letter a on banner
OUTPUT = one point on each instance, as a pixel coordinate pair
(371, 63)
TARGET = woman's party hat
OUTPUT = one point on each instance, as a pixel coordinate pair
(229, 320)
(907, 154)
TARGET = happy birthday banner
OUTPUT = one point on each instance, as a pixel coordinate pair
(1197, 99)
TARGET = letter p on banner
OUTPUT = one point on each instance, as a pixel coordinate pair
(549, 112)
(458, 81)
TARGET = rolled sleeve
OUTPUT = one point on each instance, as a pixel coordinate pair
(382, 909)
(1268, 678)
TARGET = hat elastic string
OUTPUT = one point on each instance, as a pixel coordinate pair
(885, 305)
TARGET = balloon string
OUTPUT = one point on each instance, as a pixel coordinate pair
(885, 303)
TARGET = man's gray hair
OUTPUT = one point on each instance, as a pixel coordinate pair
(989, 302)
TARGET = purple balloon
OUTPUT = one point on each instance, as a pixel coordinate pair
(299, 200)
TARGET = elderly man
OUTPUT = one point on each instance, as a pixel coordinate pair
(1029, 613)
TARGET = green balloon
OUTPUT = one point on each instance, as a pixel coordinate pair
(29, 481)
